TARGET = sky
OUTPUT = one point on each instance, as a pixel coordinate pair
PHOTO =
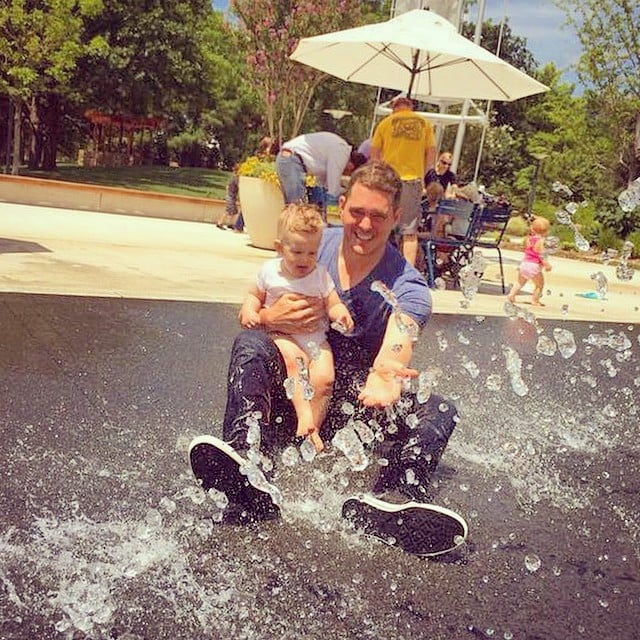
(540, 22)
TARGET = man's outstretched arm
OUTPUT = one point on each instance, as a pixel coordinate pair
(391, 366)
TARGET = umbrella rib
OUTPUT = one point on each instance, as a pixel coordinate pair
(385, 51)
(428, 66)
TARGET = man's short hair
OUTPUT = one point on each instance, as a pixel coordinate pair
(402, 101)
(357, 159)
(378, 176)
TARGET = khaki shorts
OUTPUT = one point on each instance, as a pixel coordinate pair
(410, 207)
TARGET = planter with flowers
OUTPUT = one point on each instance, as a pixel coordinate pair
(261, 200)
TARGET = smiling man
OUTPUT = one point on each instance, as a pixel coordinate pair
(390, 302)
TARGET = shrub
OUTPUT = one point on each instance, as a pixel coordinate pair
(517, 226)
(608, 239)
(634, 238)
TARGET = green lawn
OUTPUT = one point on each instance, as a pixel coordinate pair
(202, 183)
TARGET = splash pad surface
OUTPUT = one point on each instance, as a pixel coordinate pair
(106, 535)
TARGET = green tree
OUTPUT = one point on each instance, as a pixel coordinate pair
(609, 33)
(273, 29)
(154, 60)
(40, 45)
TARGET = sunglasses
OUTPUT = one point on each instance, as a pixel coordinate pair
(445, 163)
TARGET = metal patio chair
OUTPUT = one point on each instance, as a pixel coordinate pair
(450, 247)
(491, 224)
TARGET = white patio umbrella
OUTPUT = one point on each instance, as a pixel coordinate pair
(418, 52)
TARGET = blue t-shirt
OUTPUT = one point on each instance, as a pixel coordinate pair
(368, 308)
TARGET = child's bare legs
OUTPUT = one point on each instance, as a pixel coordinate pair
(538, 283)
(321, 376)
(310, 413)
(515, 289)
(291, 351)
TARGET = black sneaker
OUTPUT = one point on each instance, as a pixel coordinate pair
(217, 465)
(414, 527)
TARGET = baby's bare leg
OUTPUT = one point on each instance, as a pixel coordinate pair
(515, 289)
(321, 375)
(538, 283)
(291, 351)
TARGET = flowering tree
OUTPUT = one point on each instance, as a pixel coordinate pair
(273, 29)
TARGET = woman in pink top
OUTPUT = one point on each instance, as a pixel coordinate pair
(533, 262)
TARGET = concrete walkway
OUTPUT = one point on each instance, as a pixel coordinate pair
(46, 250)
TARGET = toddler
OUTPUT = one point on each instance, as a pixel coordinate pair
(307, 357)
(533, 262)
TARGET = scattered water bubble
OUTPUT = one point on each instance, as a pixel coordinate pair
(546, 346)
(470, 367)
(493, 382)
(167, 504)
(338, 326)
(290, 456)
(602, 284)
(347, 441)
(566, 342)
(532, 562)
(551, 244)
(629, 198)
(307, 450)
(289, 387)
(514, 368)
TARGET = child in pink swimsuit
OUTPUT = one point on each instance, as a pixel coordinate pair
(533, 262)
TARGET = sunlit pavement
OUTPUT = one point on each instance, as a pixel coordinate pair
(107, 377)
(58, 251)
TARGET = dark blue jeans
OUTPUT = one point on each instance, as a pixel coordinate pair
(255, 388)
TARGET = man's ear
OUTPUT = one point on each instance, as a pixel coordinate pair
(277, 245)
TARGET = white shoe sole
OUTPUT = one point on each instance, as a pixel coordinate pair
(414, 527)
(217, 465)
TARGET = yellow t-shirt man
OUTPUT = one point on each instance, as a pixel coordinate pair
(406, 141)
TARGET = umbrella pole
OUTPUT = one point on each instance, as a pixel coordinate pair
(457, 149)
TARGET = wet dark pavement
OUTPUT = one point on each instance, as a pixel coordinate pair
(106, 535)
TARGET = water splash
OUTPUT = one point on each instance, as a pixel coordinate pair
(624, 271)
(566, 342)
(514, 368)
(629, 198)
(602, 284)
(410, 329)
(564, 217)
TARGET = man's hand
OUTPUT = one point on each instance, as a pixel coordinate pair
(293, 313)
(384, 383)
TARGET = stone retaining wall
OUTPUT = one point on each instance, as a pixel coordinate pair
(90, 197)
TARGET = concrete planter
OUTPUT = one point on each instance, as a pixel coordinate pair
(261, 203)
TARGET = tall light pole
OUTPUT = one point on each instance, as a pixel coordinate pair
(539, 158)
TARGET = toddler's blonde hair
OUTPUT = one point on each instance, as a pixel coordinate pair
(299, 218)
(540, 225)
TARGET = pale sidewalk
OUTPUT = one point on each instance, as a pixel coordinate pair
(59, 251)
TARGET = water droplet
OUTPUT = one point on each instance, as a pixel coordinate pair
(532, 562)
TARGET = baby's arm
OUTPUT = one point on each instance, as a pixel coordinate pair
(337, 310)
(540, 250)
(250, 310)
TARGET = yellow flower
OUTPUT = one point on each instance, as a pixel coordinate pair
(311, 181)
(257, 168)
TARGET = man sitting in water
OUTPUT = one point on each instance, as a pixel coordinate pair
(390, 302)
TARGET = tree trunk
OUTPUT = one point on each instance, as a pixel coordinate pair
(50, 115)
(35, 147)
(17, 136)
